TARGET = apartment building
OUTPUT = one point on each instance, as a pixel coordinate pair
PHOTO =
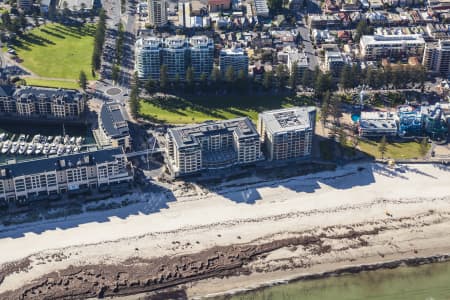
(24, 5)
(235, 58)
(334, 62)
(35, 179)
(212, 145)
(113, 128)
(157, 13)
(436, 57)
(176, 57)
(297, 58)
(374, 47)
(202, 55)
(36, 102)
(177, 53)
(148, 57)
(287, 133)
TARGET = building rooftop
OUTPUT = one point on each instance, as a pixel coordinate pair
(287, 119)
(149, 42)
(377, 121)
(392, 39)
(201, 41)
(189, 135)
(76, 4)
(112, 120)
(57, 163)
(233, 51)
(34, 92)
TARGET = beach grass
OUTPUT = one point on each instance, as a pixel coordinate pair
(57, 51)
(197, 109)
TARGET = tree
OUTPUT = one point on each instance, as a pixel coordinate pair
(362, 29)
(82, 80)
(342, 138)
(115, 73)
(346, 77)
(203, 81)
(322, 84)
(229, 75)
(163, 77)
(215, 75)
(281, 75)
(134, 96)
(293, 77)
(190, 78)
(382, 147)
(267, 80)
(150, 86)
(275, 4)
(423, 147)
(242, 80)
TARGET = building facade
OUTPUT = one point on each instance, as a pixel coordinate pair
(235, 58)
(287, 133)
(201, 55)
(212, 145)
(157, 13)
(31, 180)
(374, 47)
(436, 57)
(334, 62)
(113, 127)
(148, 57)
(46, 103)
(177, 53)
(377, 124)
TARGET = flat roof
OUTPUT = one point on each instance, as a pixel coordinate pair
(287, 119)
(378, 121)
(188, 136)
(57, 163)
(113, 121)
(393, 39)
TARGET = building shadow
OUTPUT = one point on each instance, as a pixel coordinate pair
(97, 212)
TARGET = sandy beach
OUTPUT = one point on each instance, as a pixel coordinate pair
(250, 231)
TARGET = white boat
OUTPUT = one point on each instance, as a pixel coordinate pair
(49, 138)
(3, 136)
(22, 138)
(22, 148)
(38, 150)
(14, 148)
(72, 140)
(57, 140)
(6, 147)
(69, 149)
(36, 138)
(66, 139)
(76, 149)
(30, 148)
(79, 141)
(61, 149)
(46, 149)
(53, 149)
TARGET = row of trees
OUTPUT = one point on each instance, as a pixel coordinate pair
(134, 96)
(396, 77)
(15, 25)
(99, 42)
(115, 72)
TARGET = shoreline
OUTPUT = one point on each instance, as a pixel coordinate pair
(284, 229)
(340, 271)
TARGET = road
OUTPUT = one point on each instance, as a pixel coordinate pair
(312, 7)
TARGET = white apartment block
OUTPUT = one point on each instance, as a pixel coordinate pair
(177, 53)
(27, 180)
(436, 57)
(212, 145)
(202, 55)
(374, 47)
(148, 57)
(287, 133)
(236, 58)
(157, 12)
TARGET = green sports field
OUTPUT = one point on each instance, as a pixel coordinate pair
(57, 51)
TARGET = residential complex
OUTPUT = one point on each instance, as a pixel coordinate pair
(334, 62)
(287, 133)
(32, 180)
(391, 46)
(202, 55)
(157, 12)
(113, 128)
(43, 103)
(148, 57)
(177, 53)
(212, 145)
(235, 58)
(436, 57)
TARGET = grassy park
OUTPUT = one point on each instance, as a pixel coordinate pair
(197, 109)
(56, 51)
(404, 150)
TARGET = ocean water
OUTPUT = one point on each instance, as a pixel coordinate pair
(426, 282)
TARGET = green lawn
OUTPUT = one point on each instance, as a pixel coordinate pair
(52, 83)
(198, 109)
(405, 150)
(57, 51)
